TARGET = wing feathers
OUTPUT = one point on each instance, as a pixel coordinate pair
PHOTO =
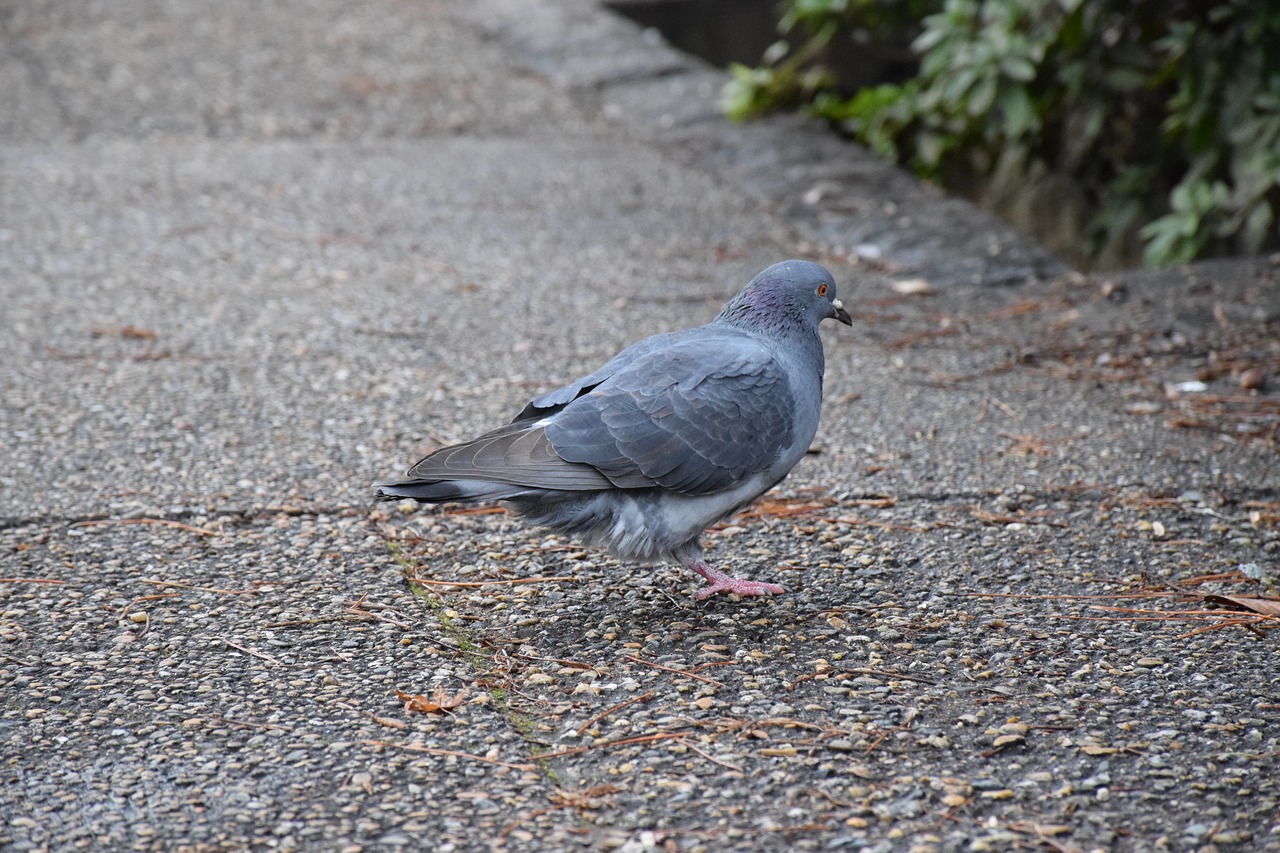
(516, 455)
(693, 419)
(690, 413)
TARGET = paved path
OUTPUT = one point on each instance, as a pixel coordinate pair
(254, 256)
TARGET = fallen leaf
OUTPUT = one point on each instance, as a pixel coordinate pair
(388, 722)
(1040, 829)
(588, 799)
(1253, 379)
(1022, 306)
(438, 703)
(875, 503)
(785, 508)
(131, 332)
(1265, 606)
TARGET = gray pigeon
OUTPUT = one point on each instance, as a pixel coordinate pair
(674, 434)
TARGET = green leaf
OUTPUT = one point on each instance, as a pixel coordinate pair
(1071, 34)
(746, 94)
(954, 90)
(1019, 112)
(1171, 239)
(982, 96)
(1018, 68)
(929, 149)
(1257, 227)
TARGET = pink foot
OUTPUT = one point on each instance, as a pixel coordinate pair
(721, 582)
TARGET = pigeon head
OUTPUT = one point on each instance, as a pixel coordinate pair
(791, 295)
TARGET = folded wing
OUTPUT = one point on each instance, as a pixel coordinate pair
(697, 417)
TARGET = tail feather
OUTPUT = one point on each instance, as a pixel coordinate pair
(447, 491)
(511, 462)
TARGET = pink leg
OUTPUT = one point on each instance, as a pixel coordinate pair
(721, 582)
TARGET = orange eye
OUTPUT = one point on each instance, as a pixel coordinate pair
(822, 289)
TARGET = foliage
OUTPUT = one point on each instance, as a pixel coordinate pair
(1164, 115)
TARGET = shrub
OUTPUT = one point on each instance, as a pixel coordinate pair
(1164, 117)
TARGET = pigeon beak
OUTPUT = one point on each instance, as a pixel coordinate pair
(838, 313)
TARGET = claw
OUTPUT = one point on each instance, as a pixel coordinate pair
(722, 582)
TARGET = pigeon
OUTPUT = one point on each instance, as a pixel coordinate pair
(674, 434)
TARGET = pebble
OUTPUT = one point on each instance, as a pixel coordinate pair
(1002, 794)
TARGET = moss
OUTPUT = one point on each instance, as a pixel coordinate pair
(469, 646)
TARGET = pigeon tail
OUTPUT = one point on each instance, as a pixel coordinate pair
(446, 491)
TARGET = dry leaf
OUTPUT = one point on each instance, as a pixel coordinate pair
(388, 722)
(1040, 829)
(588, 800)
(785, 508)
(1265, 606)
(136, 333)
(875, 503)
(438, 703)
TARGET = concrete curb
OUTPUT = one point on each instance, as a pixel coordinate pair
(839, 196)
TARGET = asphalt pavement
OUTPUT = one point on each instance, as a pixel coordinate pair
(254, 256)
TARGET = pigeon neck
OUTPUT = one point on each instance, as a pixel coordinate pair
(776, 318)
(770, 312)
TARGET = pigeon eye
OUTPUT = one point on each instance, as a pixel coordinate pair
(822, 289)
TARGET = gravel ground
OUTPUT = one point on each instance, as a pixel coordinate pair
(253, 258)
